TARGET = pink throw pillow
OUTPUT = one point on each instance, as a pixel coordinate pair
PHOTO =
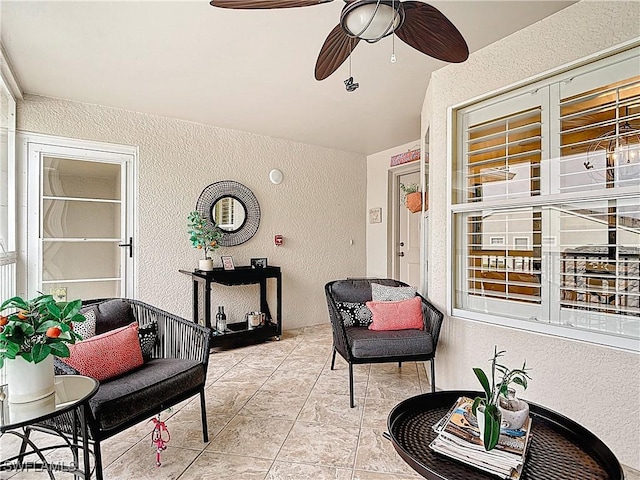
(400, 315)
(107, 355)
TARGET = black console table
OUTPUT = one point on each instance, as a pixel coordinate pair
(202, 281)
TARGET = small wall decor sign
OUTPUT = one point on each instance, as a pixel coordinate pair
(375, 215)
(406, 157)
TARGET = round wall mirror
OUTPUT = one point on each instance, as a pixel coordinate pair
(228, 214)
(231, 207)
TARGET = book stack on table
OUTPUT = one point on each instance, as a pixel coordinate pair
(459, 438)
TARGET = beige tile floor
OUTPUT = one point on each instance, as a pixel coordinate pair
(275, 411)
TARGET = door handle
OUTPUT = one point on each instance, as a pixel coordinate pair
(402, 244)
(401, 254)
(130, 245)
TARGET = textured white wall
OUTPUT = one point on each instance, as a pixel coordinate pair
(319, 207)
(598, 387)
(378, 196)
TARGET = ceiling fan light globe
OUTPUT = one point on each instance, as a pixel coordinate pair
(371, 20)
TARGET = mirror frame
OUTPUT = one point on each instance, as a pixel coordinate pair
(228, 188)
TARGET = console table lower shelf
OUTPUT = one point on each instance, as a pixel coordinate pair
(239, 331)
(560, 448)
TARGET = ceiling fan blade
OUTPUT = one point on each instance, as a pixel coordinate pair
(265, 4)
(427, 30)
(336, 49)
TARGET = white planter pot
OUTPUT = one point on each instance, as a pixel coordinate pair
(19, 412)
(480, 418)
(205, 265)
(516, 415)
(29, 381)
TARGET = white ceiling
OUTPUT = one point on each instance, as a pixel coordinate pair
(246, 70)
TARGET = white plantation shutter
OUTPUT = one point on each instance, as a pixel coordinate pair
(546, 205)
(503, 156)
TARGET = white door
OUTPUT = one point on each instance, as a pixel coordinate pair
(408, 236)
(80, 205)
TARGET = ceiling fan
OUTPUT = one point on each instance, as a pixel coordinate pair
(418, 24)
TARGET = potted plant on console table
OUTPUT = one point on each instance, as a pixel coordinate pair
(499, 399)
(203, 237)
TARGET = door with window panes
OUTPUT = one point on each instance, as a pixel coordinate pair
(80, 206)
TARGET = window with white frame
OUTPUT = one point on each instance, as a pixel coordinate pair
(546, 205)
(7, 192)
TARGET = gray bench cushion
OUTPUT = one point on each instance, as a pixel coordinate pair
(122, 398)
(366, 343)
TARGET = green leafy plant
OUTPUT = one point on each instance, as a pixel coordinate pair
(407, 189)
(411, 188)
(37, 328)
(201, 235)
(493, 391)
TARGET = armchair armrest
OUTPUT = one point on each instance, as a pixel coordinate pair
(177, 337)
(432, 319)
(340, 340)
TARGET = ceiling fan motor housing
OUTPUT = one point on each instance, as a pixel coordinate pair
(371, 20)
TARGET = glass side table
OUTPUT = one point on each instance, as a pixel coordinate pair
(67, 406)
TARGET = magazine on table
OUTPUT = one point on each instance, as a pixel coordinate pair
(459, 438)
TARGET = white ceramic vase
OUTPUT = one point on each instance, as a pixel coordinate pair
(29, 381)
(205, 265)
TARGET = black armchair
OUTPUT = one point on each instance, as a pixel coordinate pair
(176, 371)
(358, 345)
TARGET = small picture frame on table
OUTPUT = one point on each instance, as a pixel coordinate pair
(227, 263)
(258, 263)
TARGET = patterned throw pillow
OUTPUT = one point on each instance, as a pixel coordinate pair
(148, 334)
(61, 368)
(383, 293)
(107, 355)
(86, 329)
(354, 314)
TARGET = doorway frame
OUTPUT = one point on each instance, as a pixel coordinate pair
(393, 230)
(28, 239)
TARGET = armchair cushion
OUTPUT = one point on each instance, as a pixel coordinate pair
(357, 289)
(111, 314)
(367, 343)
(107, 355)
(401, 315)
(119, 399)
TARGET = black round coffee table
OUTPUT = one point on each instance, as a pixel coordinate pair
(560, 448)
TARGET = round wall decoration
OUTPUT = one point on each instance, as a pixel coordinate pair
(232, 208)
